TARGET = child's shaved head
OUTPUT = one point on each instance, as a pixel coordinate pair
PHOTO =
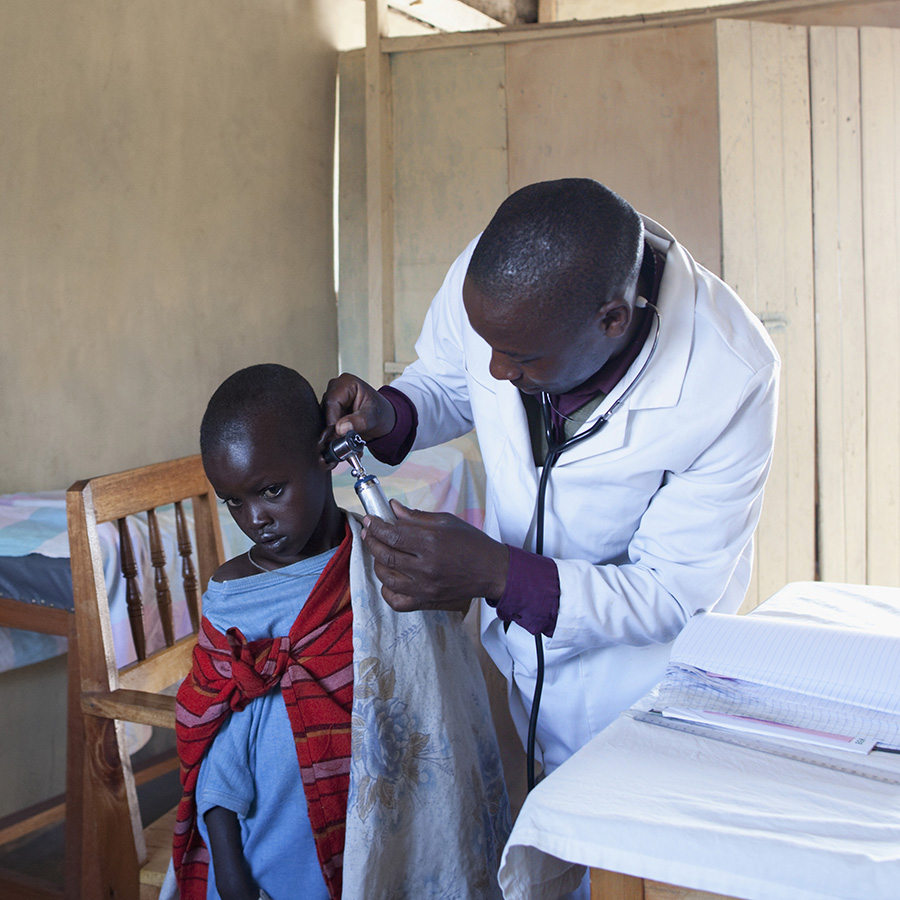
(272, 390)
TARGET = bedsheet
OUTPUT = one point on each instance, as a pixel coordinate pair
(34, 546)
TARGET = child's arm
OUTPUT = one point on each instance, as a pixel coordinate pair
(233, 879)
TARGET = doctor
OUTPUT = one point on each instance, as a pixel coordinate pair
(569, 310)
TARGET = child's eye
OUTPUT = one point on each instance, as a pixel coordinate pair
(231, 502)
(272, 491)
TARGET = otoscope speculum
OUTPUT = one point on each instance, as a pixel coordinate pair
(349, 447)
(368, 488)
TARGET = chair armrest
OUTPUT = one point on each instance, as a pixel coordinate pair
(131, 706)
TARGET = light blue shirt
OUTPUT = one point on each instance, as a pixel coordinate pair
(251, 767)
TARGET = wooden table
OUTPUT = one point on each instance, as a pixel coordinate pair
(649, 809)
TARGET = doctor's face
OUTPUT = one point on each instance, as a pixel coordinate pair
(537, 352)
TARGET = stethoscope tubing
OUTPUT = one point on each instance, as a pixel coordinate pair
(554, 451)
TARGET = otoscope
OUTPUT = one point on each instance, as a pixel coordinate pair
(367, 487)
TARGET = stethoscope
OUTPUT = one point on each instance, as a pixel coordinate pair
(554, 450)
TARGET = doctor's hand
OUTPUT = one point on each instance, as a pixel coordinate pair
(434, 560)
(350, 404)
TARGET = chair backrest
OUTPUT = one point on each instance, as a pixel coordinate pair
(150, 507)
(121, 498)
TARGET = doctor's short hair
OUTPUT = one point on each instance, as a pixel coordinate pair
(571, 243)
(265, 389)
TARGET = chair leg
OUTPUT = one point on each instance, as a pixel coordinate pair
(112, 838)
(74, 773)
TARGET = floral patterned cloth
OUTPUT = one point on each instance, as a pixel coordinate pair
(427, 814)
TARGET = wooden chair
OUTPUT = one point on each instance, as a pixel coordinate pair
(108, 855)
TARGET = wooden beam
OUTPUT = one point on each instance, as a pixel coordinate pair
(34, 617)
(611, 25)
(547, 11)
(379, 194)
(26, 821)
(509, 12)
(448, 15)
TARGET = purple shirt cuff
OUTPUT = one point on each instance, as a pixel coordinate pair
(531, 598)
(392, 448)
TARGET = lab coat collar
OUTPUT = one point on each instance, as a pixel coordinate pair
(660, 384)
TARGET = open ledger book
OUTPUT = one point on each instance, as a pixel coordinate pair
(821, 684)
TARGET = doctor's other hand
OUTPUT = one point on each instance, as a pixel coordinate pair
(350, 404)
(434, 560)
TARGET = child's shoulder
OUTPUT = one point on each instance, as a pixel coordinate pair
(238, 567)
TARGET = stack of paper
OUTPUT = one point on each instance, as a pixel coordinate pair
(820, 684)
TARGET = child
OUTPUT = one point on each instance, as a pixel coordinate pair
(399, 791)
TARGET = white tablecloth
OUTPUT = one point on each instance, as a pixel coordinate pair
(690, 811)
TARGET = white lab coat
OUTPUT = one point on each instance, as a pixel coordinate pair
(649, 521)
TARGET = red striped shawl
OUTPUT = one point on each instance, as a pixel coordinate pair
(314, 667)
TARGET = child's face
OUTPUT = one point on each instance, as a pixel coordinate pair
(277, 492)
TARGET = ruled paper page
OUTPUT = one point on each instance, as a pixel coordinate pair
(805, 675)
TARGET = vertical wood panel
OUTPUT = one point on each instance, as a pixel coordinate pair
(880, 119)
(634, 111)
(853, 12)
(450, 170)
(767, 257)
(840, 304)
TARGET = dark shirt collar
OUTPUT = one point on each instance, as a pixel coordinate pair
(609, 375)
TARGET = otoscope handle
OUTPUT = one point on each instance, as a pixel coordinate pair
(370, 494)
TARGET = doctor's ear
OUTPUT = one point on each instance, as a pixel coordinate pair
(615, 317)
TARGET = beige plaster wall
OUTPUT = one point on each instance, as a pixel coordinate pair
(165, 218)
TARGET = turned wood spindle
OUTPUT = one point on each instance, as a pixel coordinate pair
(132, 590)
(160, 579)
(188, 574)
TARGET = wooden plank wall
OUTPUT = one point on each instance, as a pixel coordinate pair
(840, 303)
(771, 151)
(633, 110)
(767, 256)
(880, 128)
(450, 169)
